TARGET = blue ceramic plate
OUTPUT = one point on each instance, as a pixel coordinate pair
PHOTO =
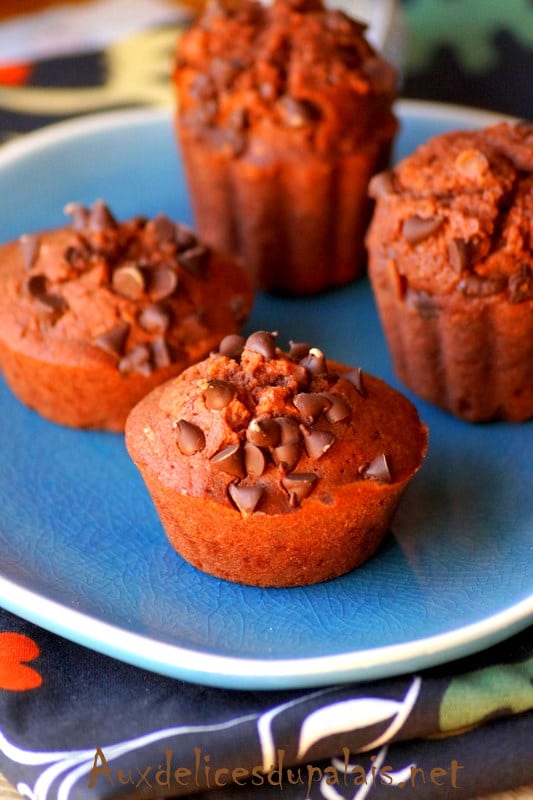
(82, 551)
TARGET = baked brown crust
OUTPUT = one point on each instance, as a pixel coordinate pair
(451, 265)
(292, 75)
(275, 469)
(95, 315)
(284, 113)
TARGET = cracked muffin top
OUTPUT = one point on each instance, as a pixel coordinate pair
(262, 429)
(457, 214)
(292, 72)
(137, 295)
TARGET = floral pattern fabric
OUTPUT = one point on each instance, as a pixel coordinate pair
(76, 725)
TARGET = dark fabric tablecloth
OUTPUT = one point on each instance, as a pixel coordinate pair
(76, 724)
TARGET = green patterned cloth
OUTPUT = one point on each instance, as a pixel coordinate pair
(472, 52)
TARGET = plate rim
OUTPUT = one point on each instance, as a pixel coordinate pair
(56, 132)
(231, 672)
(226, 671)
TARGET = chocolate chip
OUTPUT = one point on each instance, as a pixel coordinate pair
(194, 259)
(311, 405)
(230, 460)
(136, 360)
(255, 460)
(458, 254)
(30, 244)
(100, 217)
(262, 342)
(263, 432)
(163, 282)
(476, 286)
(190, 437)
(296, 113)
(381, 185)
(289, 429)
(298, 350)
(219, 394)
(53, 302)
(128, 281)
(164, 228)
(231, 346)
(317, 442)
(355, 377)
(246, 498)
(113, 340)
(185, 237)
(286, 456)
(315, 362)
(36, 286)
(299, 485)
(520, 285)
(161, 353)
(338, 409)
(301, 375)
(154, 319)
(378, 469)
(76, 258)
(416, 229)
(79, 214)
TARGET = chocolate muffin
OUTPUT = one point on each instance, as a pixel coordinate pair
(451, 265)
(284, 113)
(95, 314)
(275, 468)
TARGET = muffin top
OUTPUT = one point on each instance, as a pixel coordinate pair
(458, 214)
(292, 72)
(139, 294)
(262, 429)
